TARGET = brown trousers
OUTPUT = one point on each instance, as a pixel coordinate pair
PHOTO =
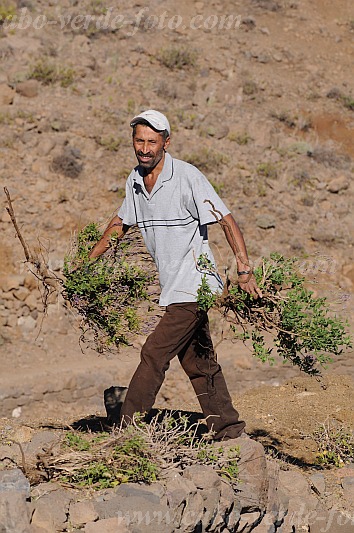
(184, 331)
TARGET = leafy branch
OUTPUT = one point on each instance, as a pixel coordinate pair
(108, 291)
(303, 328)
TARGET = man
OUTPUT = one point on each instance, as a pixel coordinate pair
(166, 197)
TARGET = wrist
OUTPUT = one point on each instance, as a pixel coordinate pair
(244, 272)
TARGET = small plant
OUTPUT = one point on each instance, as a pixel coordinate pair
(285, 117)
(7, 11)
(268, 170)
(218, 187)
(348, 102)
(206, 160)
(304, 331)
(48, 74)
(337, 94)
(76, 442)
(205, 297)
(327, 155)
(177, 58)
(242, 138)
(250, 88)
(110, 143)
(335, 444)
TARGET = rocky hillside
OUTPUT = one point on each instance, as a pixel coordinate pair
(260, 96)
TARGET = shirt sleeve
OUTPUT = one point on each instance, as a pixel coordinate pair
(202, 194)
(127, 211)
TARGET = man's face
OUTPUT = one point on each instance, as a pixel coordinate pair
(149, 146)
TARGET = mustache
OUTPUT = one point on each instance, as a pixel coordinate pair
(145, 155)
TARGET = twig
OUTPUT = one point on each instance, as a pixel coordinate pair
(10, 210)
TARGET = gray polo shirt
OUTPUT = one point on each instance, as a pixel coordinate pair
(173, 221)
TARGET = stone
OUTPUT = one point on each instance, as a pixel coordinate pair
(302, 504)
(265, 222)
(30, 281)
(14, 480)
(51, 510)
(10, 282)
(253, 486)
(28, 88)
(330, 522)
(248, 521)
(81, 513)
(178, 491)
(143, 508)
(14, 490)
(31, 301)
(7, 94)
(40, 442)
(348, 488)
(21, 293)
(45, 146)
(23, 434)
(341, 183)
(108, 525)
(203, 477)
(324, 234)
(26, 323)
(319, 482)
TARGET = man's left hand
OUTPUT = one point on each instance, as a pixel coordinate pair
(248, 284)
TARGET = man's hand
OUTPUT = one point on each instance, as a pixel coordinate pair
(248, 284)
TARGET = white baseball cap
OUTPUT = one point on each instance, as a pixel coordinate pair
(156, 119)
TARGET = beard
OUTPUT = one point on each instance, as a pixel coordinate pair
(149, 160)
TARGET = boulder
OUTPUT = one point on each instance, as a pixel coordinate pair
(51, 510)
(144, 508)
(14, 490)
(108, 525)
(341, 183)
(80, 513)
(253, 486)
(7, 95)
(28, 88)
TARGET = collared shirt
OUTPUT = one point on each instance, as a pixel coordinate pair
(173, 221)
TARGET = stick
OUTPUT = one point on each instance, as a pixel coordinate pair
(11, 212)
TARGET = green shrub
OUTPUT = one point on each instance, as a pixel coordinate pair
(335, 444)
(48, 74)
(241, 138)
(268, 170)
(303, 328)
(7, 11)
(110, 143)
(348, 102)
(250, 88)
(177, 58)
(106, 292)
(206, 160)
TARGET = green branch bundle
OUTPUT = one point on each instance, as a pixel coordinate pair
(108, 292)
(304, 330)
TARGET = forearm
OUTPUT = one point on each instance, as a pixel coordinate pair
(236, 241)
(114, 227)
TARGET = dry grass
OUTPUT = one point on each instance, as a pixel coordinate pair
(141, 452)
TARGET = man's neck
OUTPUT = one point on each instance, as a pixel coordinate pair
(153, 173)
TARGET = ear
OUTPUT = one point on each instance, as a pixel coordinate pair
(167, 143)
